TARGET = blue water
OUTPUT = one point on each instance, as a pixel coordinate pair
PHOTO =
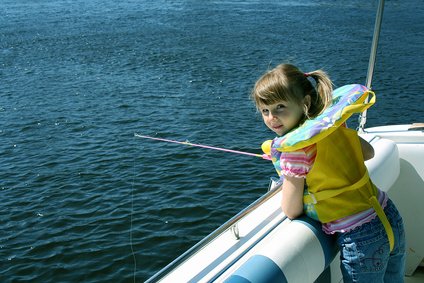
(82, 199)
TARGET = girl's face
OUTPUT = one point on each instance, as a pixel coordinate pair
(282, 117)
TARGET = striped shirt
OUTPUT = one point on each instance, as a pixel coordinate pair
(299, 163)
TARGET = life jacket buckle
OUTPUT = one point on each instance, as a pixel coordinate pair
(314, 200)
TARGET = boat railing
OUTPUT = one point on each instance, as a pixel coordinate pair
(231, 224)
(371, 63)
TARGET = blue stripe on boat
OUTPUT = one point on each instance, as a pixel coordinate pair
(258, 269)
(327, 242)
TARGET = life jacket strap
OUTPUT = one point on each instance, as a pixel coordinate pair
(313, 198)
(383, 218)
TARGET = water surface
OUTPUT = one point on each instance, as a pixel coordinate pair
(83, 200)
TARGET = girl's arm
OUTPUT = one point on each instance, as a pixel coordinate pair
(367, 149)
(292, 201)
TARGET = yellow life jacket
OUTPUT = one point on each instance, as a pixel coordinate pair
(338, 183)
(339, 179)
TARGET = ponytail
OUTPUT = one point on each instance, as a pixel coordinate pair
(324, 89)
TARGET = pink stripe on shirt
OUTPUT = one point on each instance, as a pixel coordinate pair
(349, 223)
(298, 163)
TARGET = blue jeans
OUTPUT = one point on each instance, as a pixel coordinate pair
(365, 253)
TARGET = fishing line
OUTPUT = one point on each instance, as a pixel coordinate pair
(131, 223)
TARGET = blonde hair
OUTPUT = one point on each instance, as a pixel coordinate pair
(286, 82)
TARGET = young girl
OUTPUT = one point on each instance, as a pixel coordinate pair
(371, 240)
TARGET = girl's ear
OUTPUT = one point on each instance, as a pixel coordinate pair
(307, 103)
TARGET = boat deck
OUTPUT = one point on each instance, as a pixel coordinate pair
(417, 277)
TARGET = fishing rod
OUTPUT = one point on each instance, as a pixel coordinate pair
(265, 146)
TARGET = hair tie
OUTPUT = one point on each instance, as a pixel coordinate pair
(306, 75)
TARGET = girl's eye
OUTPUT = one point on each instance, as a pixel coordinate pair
(265, 111)
(280, 106)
